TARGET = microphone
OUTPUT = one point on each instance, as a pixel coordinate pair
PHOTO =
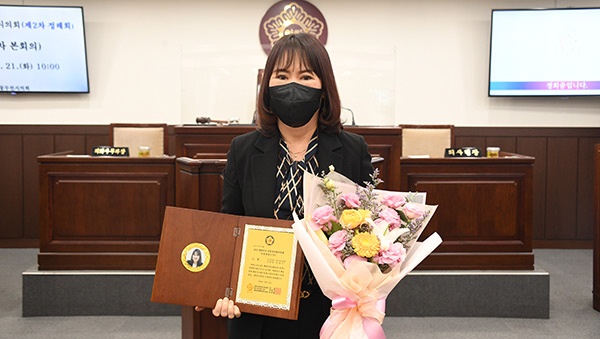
(352, 113)
(208, 120)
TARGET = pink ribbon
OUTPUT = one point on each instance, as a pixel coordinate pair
(371, 310)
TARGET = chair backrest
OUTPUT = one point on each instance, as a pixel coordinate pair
(426, 140)
(134, 135)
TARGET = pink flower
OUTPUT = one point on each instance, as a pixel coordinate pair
(391, 217)
(394, 201)
(394, 255)
(351, 200)
(352, 258)
(337, 242)
(321, 218)
(412, 211)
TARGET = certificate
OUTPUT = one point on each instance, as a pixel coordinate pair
(267, 266)
(204, 256)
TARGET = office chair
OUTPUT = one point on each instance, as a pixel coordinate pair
(426, 140)
(134, 135)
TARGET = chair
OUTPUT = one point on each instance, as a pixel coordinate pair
(426, 140)
(133, 136)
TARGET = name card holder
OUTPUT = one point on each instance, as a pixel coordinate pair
(463, 152)
(110, 151)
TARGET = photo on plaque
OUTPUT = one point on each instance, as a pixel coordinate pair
(195, 257)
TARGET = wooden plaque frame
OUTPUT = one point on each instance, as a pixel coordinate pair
(223, 235)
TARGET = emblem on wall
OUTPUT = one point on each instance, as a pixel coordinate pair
(288, 17)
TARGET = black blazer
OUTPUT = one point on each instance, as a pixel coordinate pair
(249, 178)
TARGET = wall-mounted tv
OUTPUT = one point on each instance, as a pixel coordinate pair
(544, 52)
(42, 50)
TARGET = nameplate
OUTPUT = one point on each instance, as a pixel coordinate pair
(463, 152)
(110, 151)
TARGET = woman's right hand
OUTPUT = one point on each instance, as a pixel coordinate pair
(225, 308)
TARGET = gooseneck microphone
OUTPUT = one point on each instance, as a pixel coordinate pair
(352, 113)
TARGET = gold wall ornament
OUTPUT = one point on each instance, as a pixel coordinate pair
(289, 17)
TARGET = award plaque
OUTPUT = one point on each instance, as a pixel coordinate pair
(204, 256)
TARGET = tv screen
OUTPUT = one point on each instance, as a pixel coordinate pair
(545, 52)
(42, 50)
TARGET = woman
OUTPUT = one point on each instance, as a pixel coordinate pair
(196, 258)
(299, 130)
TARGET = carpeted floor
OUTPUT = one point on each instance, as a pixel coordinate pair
(571, 312)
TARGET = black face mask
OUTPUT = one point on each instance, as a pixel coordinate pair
(294, 104)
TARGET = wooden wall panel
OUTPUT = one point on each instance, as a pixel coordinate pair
(468, 141)
(585, 191)
(75, 143)
(92, 141)
(11, 180)
(561, 194)
(506, 144)
(33, 146)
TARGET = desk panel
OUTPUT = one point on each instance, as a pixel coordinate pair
(485, 210)
(103, 213)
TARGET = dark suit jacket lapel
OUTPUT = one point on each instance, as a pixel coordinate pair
(330, 152)
(264, 168)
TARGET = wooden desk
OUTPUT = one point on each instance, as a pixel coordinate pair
(385, 142)
(485, 210)
(100, 213)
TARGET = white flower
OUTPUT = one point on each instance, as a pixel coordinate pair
(386, 237)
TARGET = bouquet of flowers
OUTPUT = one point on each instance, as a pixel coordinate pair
(360, 242)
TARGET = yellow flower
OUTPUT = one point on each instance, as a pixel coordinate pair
(365, 213)
(365, 244)
(329, 184)
(353, 218)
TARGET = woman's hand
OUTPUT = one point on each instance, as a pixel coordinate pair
(224, 308)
